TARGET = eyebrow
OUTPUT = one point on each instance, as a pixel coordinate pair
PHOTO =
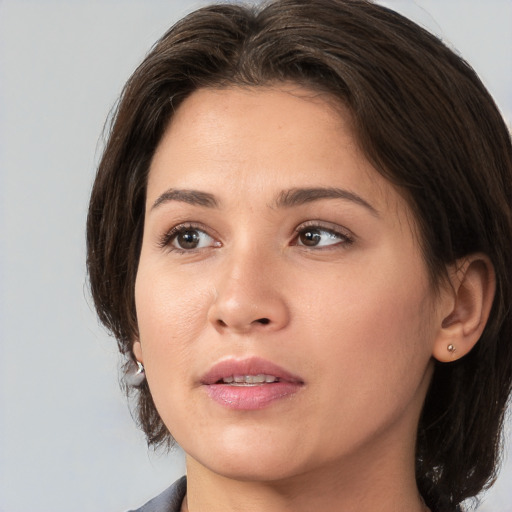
(300, 196)
(285, 199)
(193, 197)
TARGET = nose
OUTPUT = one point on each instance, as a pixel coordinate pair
(249, 297)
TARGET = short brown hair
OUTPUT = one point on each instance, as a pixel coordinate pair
(422, 118)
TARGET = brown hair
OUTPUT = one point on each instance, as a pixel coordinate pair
(422, 118)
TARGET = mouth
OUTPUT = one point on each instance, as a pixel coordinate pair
(249, 380)
(249, 384)
(253, 371)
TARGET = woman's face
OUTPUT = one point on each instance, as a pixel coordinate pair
(285, 313)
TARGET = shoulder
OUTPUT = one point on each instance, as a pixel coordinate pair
(168, 501)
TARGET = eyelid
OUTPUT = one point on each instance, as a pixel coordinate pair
(164, 240)
(341, 231)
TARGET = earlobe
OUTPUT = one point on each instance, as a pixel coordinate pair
(472, 289)
(136, 374)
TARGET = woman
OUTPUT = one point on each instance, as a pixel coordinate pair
(300, 232)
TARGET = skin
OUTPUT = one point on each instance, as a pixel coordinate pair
(355, 316)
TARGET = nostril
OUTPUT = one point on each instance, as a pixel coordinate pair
(223, 324)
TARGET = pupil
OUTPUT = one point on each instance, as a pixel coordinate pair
(310, 238)
(188, 239)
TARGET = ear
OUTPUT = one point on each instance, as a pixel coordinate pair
(470, 291)
(137, 351)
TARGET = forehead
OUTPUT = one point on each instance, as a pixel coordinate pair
(260, 140)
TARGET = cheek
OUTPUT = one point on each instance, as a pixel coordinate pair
(373, 326)
(171, 315)
(369, 351)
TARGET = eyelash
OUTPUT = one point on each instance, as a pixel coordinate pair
(168, 237)
(345, 236)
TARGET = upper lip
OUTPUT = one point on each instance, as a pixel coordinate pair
(250, 366)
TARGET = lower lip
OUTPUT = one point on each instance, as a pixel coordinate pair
(250, 398)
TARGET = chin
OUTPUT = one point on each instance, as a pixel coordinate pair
(256, 470)
(250, 459)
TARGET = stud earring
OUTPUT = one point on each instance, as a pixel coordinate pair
(451, 348)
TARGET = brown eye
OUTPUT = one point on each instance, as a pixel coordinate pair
(310, 237)
(188, 239)
(321, 237)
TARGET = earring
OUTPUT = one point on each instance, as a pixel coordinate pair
(136, 378)
(451, 348)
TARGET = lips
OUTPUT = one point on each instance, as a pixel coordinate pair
(249, 384)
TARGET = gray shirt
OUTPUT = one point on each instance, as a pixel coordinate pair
(168, 501)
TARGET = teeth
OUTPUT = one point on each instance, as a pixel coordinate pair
(249, 380)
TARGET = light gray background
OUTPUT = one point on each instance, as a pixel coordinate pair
(67, 442)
